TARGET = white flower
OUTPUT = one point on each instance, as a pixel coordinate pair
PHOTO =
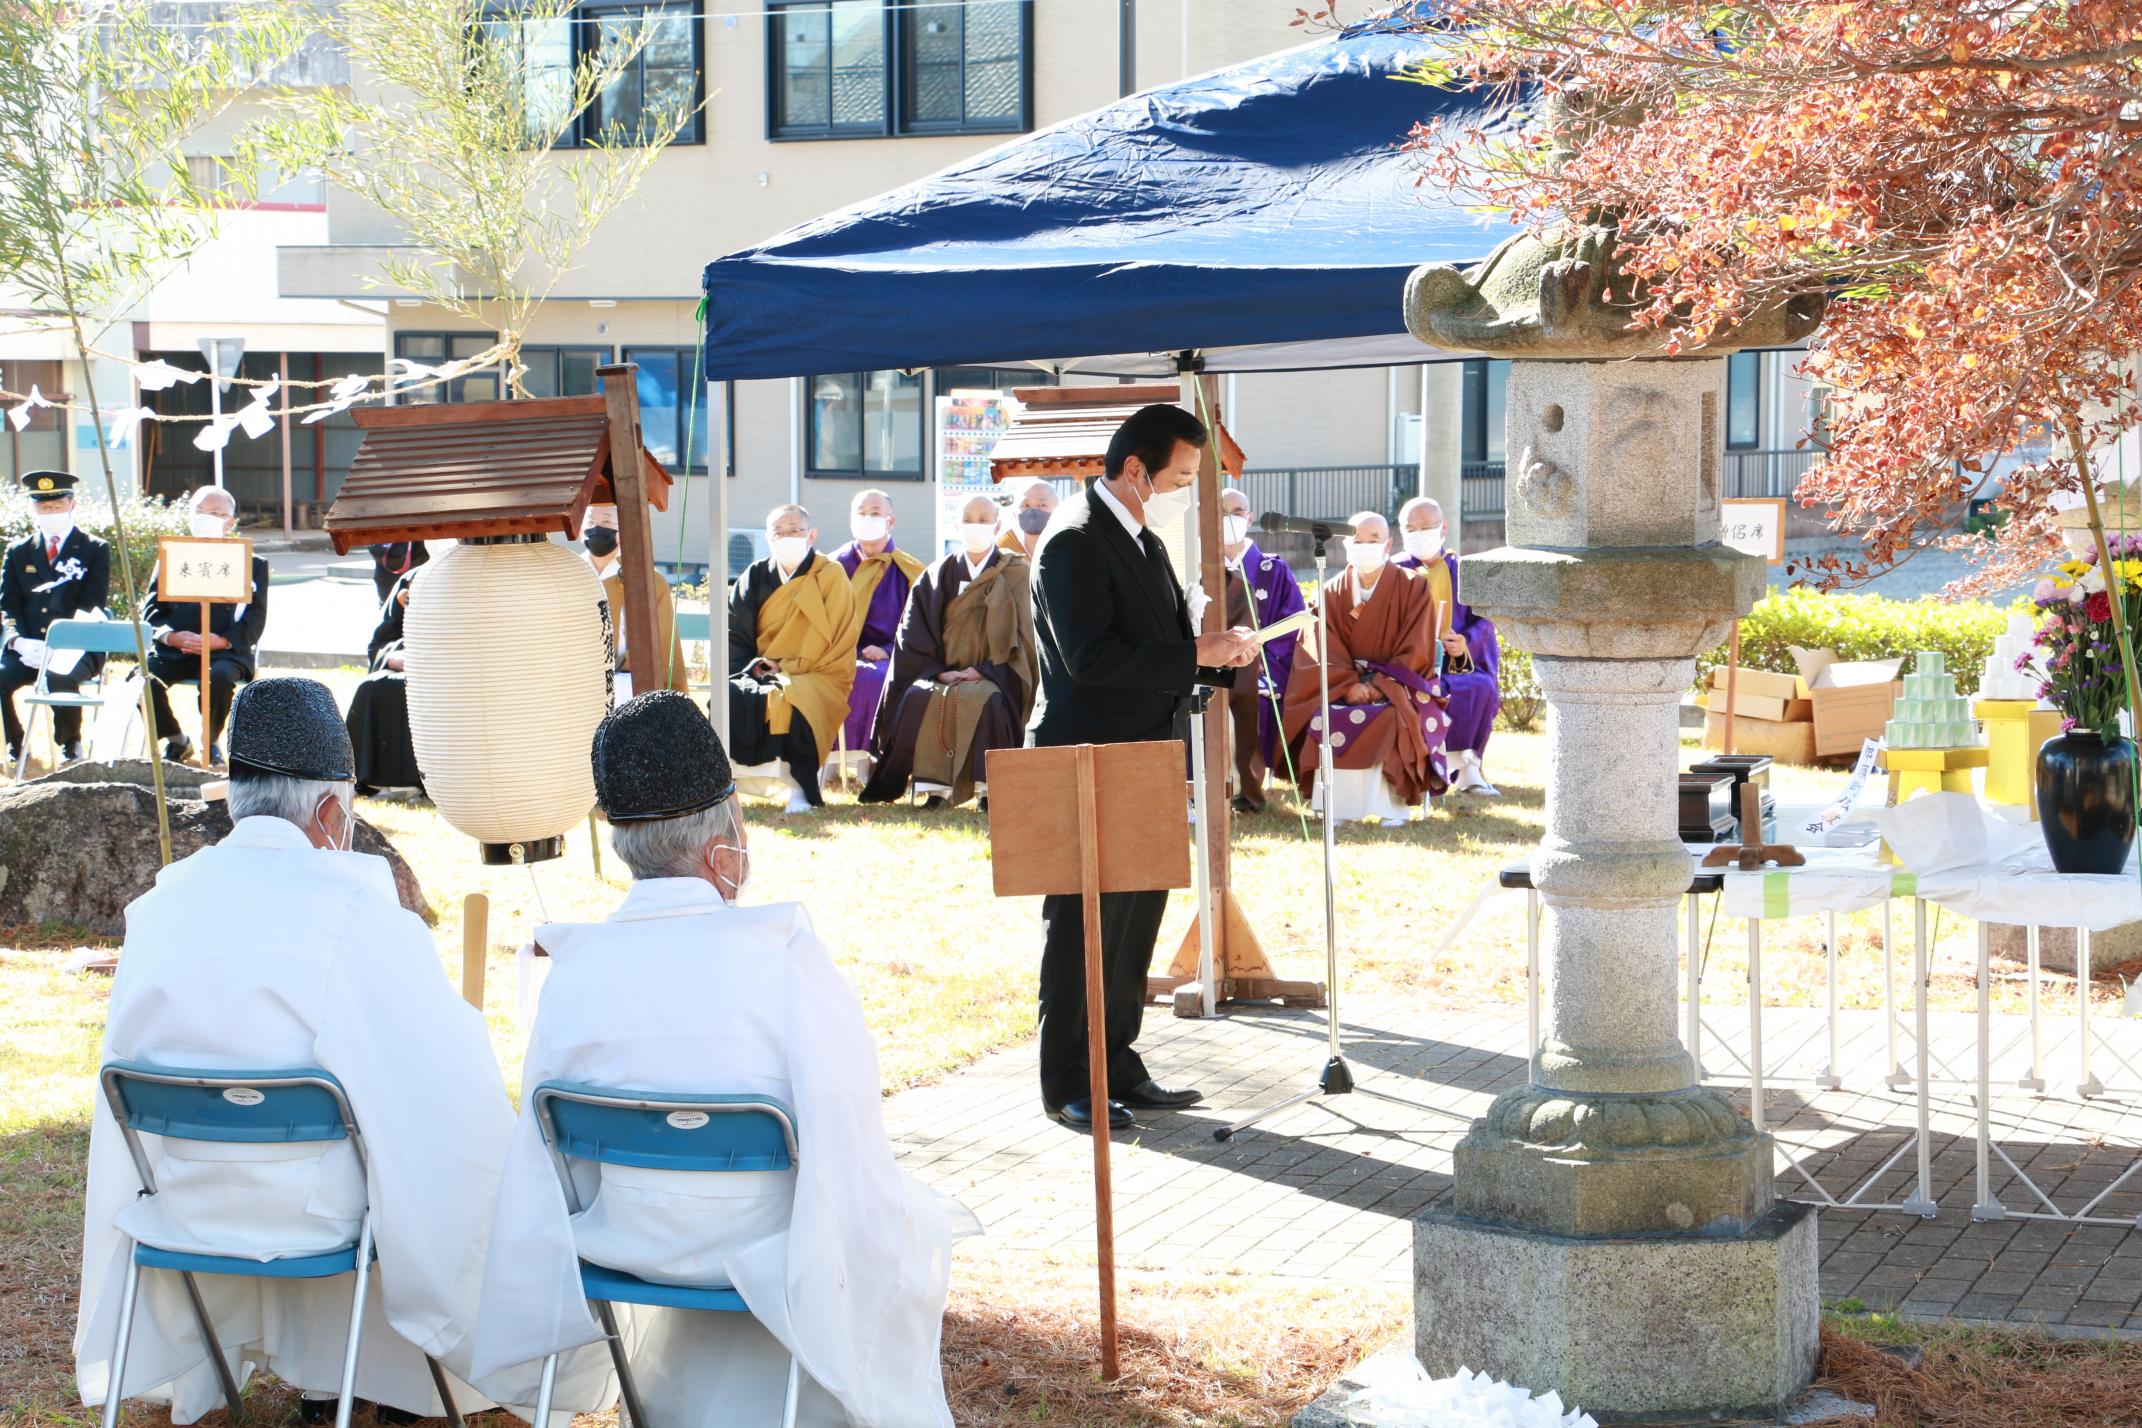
(2093, 581)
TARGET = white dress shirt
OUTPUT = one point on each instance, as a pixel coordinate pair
(1135, 525)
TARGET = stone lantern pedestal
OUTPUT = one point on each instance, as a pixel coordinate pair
(1613, 1234)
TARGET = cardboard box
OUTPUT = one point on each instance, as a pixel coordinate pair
(1846, 718)
(1787, 741)
(1760, 682)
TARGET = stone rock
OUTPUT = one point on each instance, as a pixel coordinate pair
(1623, 603)
(1650, 1326)
(76, 852)
(2056, 946)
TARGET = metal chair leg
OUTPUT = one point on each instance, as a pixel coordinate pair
(795, 1382)
(347, 1397)
(446, 1392)
(543, 1394)
(29, 732)
(116, 1388)
(208, 1337)
(625, 1383)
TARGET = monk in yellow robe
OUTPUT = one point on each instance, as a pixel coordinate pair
(882, 574)
(793, 628)
(1389, 706)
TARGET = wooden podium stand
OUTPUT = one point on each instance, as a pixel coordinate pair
(1089, 819)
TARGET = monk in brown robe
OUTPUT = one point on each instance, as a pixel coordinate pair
(1387, 704)
(963, 668)
(1028, 518)
(793, 627)
(598, 534)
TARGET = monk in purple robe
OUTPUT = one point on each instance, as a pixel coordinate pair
(1387, 705)
(882, 575)
(1260, 590)
(964, 668)
(1472, 656)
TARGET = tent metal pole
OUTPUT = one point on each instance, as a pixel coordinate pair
(718, 558)
(1126, 48)
(1208, 727)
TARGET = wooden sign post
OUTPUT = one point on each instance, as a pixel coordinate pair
(1091, 819)
(208, 573)
(1755, 525)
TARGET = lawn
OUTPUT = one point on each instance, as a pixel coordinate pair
(945, 973)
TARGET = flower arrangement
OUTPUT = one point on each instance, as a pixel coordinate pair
(2085, 678)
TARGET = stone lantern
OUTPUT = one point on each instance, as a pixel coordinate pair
(1613, 1233)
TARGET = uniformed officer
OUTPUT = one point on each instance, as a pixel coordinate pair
(57, 571)
(232, 636)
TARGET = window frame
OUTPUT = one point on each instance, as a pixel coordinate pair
(1755, 380)
(685, 357)
(581, 33)
(450, 394)
(813, 472)
(1476, 374)
(897, 19)
(604, 353)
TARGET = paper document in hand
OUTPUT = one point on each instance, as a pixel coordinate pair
(1295, 623)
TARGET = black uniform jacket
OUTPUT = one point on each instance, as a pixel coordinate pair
(35, 591)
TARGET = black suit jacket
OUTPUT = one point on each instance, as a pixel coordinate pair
(240, 624)
(80, 581)
(1118, 656)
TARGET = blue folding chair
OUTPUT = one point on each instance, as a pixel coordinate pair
(104, 637)
(250, 1107)
(704, 1134)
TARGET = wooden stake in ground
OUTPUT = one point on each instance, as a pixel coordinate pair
(475, 939)
(206, 573)
(1091, 819)
(207, 735)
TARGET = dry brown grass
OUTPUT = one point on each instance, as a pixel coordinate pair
(1951, 1376)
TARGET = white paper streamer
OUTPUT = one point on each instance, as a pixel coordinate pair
(215, 435)
(159, 374)
(123, 422)
(342, 396)
(258, 418)
(18, 417)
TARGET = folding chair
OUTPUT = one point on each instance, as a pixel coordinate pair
(105, 637)
(708, 1134)
(254, 1107)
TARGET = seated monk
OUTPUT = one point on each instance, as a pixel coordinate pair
(1472, 657)
(1260, 589)
(1030, 517)
(882, 576)
(1386, 701)
(963, 667)
(793, 626)
(598, 536)
(842, 1258)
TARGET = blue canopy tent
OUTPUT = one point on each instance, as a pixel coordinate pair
(1262, 216)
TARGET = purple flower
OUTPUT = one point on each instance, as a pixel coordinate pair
(2022, 663)
(2045, 591)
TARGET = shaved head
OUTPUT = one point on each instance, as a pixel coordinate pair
(979, 509)
(789, 520)
(1422, 513)
(1370, 526)
(1038, 496)
(1234, 503)
(871, 503)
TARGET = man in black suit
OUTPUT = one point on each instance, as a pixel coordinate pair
(55, 572)
(1119, 661)
(232, 637)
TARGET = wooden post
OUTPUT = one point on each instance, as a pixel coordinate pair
(475, 939)
(1732, 682)
(207, 737)
(635, 532)
(1201, 394)
(1104, 1217)
(283, 358)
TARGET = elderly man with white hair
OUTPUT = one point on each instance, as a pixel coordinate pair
(1472, 656)
(842, 1259)
(281, 949)
(232, 635)
(794, 624)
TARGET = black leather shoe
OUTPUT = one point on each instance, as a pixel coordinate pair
(1243, 805)
(1078, 1114)
(178, 750)
(1153, 1096)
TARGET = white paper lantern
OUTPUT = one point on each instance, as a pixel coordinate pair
(506, 652)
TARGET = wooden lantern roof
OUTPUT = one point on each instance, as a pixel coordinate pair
(1065, 431)
(480, 469)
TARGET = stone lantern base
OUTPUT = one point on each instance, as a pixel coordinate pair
(1643, 1327)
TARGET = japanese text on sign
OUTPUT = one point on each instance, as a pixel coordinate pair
(216, 572)
(1755, 525)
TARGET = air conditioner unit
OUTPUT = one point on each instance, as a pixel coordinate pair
(747, 545)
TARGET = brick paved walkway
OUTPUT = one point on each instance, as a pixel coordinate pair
(1328, 1189)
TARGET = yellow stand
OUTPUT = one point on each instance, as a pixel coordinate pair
(1916, 771)
(2011, 758)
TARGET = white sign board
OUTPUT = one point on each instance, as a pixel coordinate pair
(1754, 524)
(968, 425)
(211, 572)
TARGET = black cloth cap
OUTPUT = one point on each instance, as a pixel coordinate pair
(656, 756)
(290, 726)
(48, 485)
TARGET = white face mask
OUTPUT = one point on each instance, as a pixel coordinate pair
(977, 536)
(790, 550)
(870, 528)
(54, 525)
(1235, 529)
(1425, 545)
(1162, 507)
(206, 526)
(743, 879)
(1367, 556)
(347, 841)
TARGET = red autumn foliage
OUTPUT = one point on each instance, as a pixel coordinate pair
(1964, 178)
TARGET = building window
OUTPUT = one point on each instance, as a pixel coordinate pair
(551, 371)
(562, 371)
(992, 379)
(1483, 400)
(664, 78)
(864, 426)
(872, 68)
(1744, 401)
(667, 409)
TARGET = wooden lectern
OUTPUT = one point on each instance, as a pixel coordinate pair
(1089, 819)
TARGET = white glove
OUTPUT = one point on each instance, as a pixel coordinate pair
(31, 652)
(1198, 599)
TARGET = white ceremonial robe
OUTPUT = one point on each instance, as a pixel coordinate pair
(264, 952)
(843, 1259)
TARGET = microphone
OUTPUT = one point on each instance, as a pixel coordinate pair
(1320, 530)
